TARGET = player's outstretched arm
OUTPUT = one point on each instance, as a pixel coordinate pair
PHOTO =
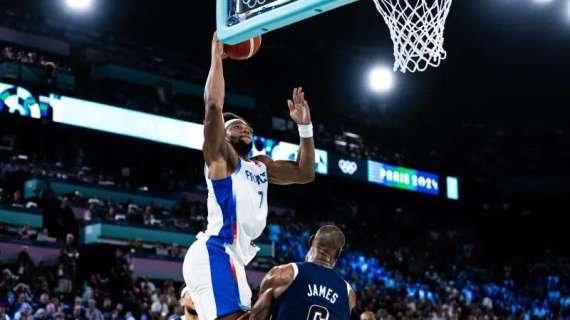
(275, 282)
(303, 170)
(215, 148)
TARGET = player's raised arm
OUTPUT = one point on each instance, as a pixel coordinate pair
(214, 148)
(303, 170)
(275, 282)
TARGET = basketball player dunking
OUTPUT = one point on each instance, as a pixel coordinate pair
(214, 266)
(311, 290)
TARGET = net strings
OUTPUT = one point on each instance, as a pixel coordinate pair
(417, 30)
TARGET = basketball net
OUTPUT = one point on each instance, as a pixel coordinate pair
(416, 28)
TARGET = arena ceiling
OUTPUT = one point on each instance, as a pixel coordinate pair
(508, 61)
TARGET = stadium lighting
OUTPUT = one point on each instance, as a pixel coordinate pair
(79, 5)
(381, 79)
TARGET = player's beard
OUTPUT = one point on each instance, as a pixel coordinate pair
(242, 148)
(191, 312)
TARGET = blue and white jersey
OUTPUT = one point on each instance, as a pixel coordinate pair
(237, 209)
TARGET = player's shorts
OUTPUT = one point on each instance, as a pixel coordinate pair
(218, 285)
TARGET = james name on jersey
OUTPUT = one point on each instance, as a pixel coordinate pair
(323, 292)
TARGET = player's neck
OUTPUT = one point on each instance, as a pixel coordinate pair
(320, 258)
(322, 262)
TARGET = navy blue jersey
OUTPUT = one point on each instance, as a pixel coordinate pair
(317, 293)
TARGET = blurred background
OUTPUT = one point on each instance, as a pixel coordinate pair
(451, 185)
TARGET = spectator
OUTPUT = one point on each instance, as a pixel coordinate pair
(24, 265)
(160, 249)
(91, 312)
(44, 236)
(107, 308)
(25, 232)
(67, 265)
(138, 247)
(77, 313)
(3, 315)
(90, 213)
(148, 218)
(17, 200)
(50, 73)
(8, 53)
(44, 300)
(66, 219)
(70, 249)
(176, 252)
(144, 312)
(159, 307)
(72, 255)
(110, 216)
(147, 286)
(120, 277)
(50, 311)
(367, 315)
(24, 312)
(65, 284)
(133, 213)
(56, 303)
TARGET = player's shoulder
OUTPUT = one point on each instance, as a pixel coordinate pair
(262, 158)
(282, 273)
(283, 269)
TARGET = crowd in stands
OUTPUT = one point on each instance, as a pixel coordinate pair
(434, 275)
(65, 290)
(31, 57)
(29, 291)
(183, 216)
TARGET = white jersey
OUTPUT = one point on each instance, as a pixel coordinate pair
(237, 209)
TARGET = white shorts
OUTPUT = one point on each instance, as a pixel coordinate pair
(218, 285)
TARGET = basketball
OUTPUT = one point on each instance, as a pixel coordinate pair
(243, 50)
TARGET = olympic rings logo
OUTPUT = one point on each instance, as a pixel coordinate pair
(347, 167)
(253, 3)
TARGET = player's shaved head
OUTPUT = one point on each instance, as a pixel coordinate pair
(230, 116)
(329, 237)
(327, 244)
